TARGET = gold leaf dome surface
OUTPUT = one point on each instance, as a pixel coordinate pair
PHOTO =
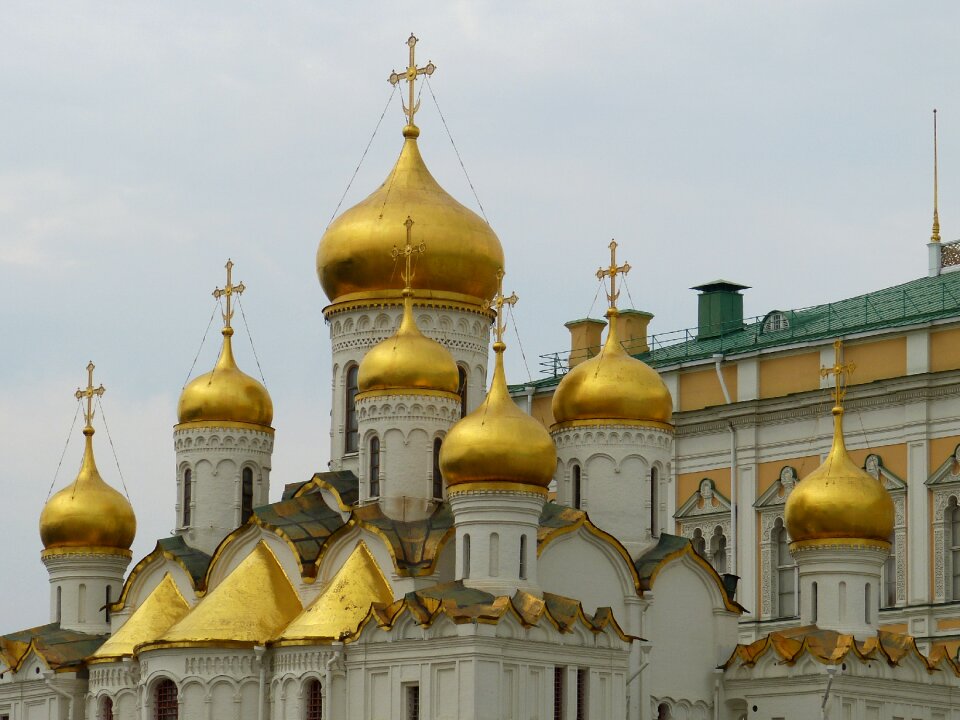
(498, 442)
(839, 500)
(354, 256)
(225, 394)
(612, 386)
(408, 360)
(88, 513)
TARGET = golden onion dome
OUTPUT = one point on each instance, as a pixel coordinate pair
(225, 394)
(354, 256)
(612, 387)
(408, 360)
(839, 501)
(88, 513)
(498, 443)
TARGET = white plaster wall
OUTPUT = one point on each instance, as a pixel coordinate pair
(465, 333)
(217, 457)
(82, 579)
(616, 463)
(407, 426)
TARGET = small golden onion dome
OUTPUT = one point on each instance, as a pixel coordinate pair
(88, 513)
(225, 394)
(408, 360)
(353, 258)
(839, 500)
(498, 442)
(612, 387)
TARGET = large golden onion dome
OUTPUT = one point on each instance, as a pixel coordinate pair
(354, 256)
(498, 443)
(612, 387)
(839, 501)
(225, 394)
(88, 514)
(408, 360)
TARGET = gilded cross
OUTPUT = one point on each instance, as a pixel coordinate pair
(227, 291)
(408, 252)
(498, 302)
(839, 371)
(612, 272)
(410, 75)
(89, 394)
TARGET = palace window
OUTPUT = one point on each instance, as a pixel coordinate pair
(953, 527)
(246, 495)
(462, 390)
(786, 573)
(165, 701)
(314, 700)
(776, 321)
(699, 543)
(187, 495)
(577, 488)
(718, 551)
(351, 440)
(437, 476)
(374, 466)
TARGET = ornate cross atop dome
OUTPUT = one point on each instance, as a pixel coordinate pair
(612, 272)
(89, 394)
(227, 291)
(410, 75)
(840, 373)
(408, 252)
(498, 302)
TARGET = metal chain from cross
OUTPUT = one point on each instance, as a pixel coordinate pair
(408, 252)
(227, 291)
(498, 302)
(89, 393)
(612, 272)
(840, 371)
(410, 75)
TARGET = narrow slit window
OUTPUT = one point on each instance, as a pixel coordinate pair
(577, 488)
(374, 467)
(351, 428)
(437, 476)
(187, 496)
(246, 495)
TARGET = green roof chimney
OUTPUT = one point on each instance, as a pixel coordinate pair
(719, 309)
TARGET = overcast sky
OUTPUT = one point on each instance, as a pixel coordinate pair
(783, 145)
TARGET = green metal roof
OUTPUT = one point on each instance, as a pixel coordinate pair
(195, 561)
(922, 300)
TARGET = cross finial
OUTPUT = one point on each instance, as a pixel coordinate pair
(612, 272)
(227, 291)
(840, 373)
(89, 394)
(408, 251)
(498, 302)
(410, 75)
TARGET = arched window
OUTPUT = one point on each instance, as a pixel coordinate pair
(437, 476)
(246, 495)
(718, 550)
(351, 441)
(466, 556)
(654, 480)
(786, 574)
(187, 495)
(374, 465)
(165, 701)
(867, 599)
(106, 709)
(314, 700)
(699, 543)
(953, 525)
(577, 489)
(523, 557)
(462, 391)
(889, 596)
(813, 603)
(82, 603)
(59, 603)
(106, 606)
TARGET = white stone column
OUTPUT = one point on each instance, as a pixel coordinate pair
(918, 524)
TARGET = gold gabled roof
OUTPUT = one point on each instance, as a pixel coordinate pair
(345, 602)
(250, 606)
(157, 614)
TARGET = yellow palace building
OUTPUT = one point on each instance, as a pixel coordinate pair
(751, 420)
